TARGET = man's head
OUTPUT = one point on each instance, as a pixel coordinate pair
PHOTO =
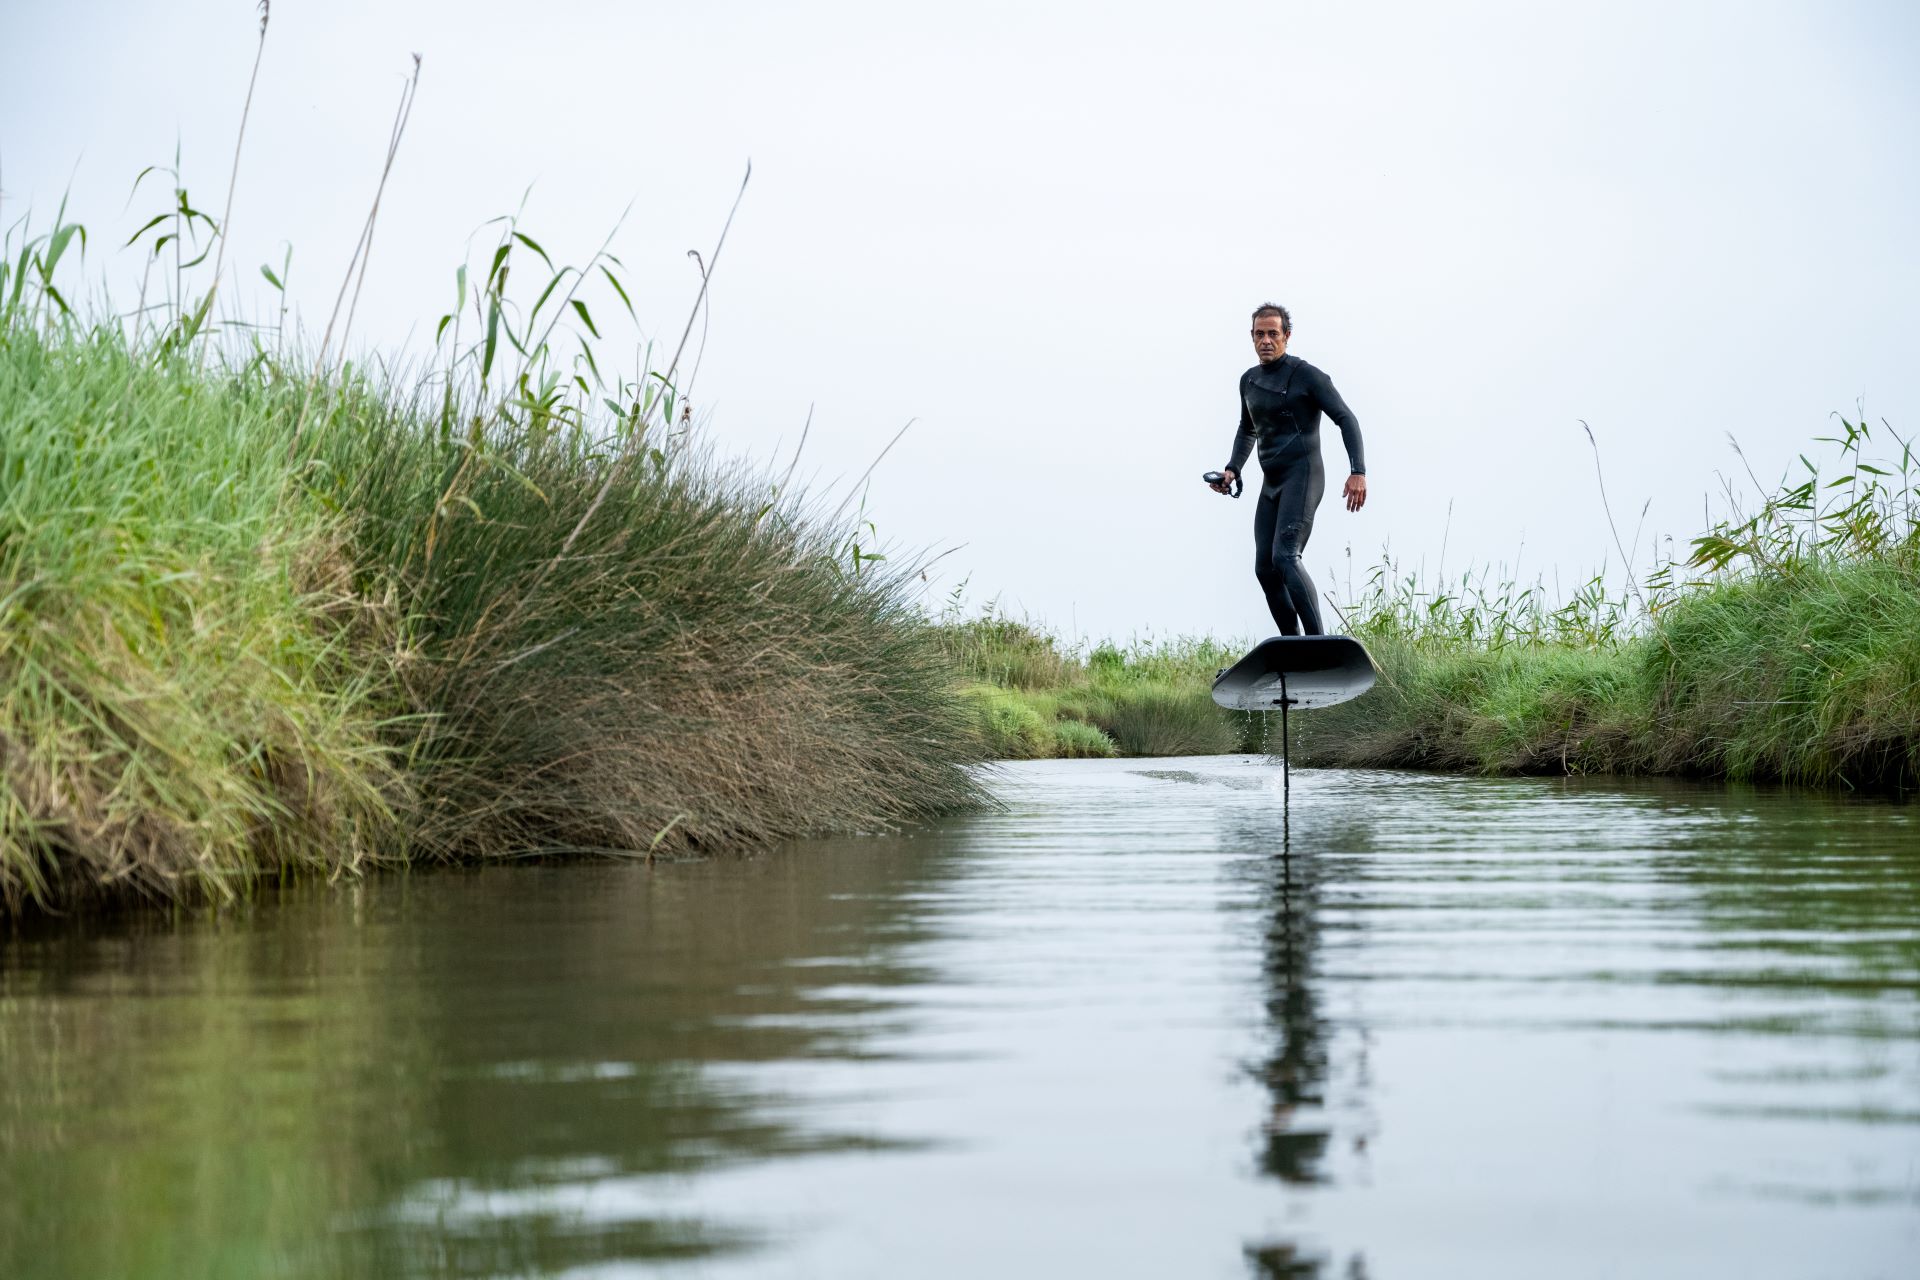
(1272, 326)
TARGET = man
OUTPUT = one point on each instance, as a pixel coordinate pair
(1281, 400)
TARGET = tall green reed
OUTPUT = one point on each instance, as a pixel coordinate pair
(1853, 510)
(184, 702)
(1783, 646)
(507, 602)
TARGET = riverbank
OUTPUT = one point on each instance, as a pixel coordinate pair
(1813, 679)
(1035, 697)
(266, 615)
(1786, 648)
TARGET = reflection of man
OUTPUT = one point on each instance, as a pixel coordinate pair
(1281, 400)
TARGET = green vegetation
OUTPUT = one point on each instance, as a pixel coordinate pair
(185, 700)
(266, 613)
(1792, 654)
(1786, 647)
(1036, 698)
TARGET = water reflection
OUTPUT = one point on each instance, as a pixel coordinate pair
(1529, 937)
(1291, 882)
(471, 1074)
(1296, 1131)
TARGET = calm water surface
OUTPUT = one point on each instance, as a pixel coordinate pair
(1133, 1024)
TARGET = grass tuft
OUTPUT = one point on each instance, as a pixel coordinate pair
(696, 670)
(1784, 648)
(260, 613)
(1036, 698)
(186, 701)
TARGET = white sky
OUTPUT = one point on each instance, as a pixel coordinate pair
(1038, 230)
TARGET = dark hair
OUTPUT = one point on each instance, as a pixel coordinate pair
(1275, 309)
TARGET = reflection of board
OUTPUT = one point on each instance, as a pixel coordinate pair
(1296, 671)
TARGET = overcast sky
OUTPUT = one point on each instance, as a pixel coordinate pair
(1037, 230)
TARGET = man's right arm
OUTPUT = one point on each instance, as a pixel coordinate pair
(1243, 438)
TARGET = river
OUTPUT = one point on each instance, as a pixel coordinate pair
(1146, 1018)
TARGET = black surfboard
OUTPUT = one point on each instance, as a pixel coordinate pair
(1296, 671)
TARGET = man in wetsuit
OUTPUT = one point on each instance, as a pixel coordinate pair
(1281, 400)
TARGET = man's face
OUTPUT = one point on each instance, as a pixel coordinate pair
(1269, 343)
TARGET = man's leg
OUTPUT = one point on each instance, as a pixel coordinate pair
(1266, 513)
(1294, 508)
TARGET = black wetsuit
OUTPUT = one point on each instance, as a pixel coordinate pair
(1280, 408)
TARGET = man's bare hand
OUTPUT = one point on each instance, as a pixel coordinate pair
(1356, 492)
(1226, 483)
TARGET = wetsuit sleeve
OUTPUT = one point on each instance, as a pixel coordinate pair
(1334, 407)
(1243, 438)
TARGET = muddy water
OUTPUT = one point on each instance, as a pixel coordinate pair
(1135, 1023)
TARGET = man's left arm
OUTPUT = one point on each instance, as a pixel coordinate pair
(1355, 490)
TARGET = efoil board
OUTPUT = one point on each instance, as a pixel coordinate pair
(1296, 671)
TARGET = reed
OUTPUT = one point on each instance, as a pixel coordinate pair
(634, 649)
(186, 701)
(257, 621)
(1784, 646)
(269, 611)
(1035, 697)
